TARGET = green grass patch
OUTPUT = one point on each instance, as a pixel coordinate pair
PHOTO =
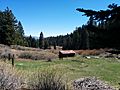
(77, 67)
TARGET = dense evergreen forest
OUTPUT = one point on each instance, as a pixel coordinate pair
(101, 31)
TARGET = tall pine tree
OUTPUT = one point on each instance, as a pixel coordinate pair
(41, 41)
(8, 23)
(19, 40)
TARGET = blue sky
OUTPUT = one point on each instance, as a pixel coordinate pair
(52, 17)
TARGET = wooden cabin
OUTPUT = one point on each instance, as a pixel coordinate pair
(66, 53)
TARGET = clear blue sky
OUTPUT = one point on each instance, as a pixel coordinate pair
(52, 17)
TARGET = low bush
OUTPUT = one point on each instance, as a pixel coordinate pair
(6, 54)
(10, 79)
(34, 55)
(23, 48)
(46, 81)
(90, 52)
(25, 55)
(18, 47)
(3, 46)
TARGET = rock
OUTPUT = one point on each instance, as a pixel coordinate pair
(88, 57)
(90, 84)
(118, 56)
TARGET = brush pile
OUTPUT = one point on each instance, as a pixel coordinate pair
(90, 84)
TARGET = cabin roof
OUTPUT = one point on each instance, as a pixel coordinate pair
(67, 52)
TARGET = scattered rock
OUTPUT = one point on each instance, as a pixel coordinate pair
(89, 57)
(90, 84)
(118, 56)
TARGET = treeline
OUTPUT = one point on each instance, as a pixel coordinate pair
(101, 31)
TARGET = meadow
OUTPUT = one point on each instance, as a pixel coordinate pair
(30, 62)
(105, 69)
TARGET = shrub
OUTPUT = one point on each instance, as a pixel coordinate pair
(90, 52)
(3, 46)
(23, 48)
(46, 81)
(18, 47)
(6, 54)
(25, 55)
(35, 55)
(9, 78)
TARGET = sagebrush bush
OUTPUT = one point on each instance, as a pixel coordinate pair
(90, 52)
(35, 55)
(25, 55)
(6, 54)
(10, 79)
(18, 47)
(3, 46)
(46, 81)
(23, 48)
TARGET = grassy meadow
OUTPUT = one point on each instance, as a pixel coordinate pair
(106, 69)
(29, 61)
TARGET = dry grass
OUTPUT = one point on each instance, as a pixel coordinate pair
(90, 52)
(10, 79)
(14, 79)
(46, 80)
(23, 48)
(40, 54)
(35, 55)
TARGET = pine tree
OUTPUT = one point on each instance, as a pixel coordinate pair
(2, 27)
(107, 32)
(55, 45)
(30, 41)
(33, 42)
(41, 41)
(7, 30)
(19, 34)
(76, 39)
(20, 29)
(46, 44)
